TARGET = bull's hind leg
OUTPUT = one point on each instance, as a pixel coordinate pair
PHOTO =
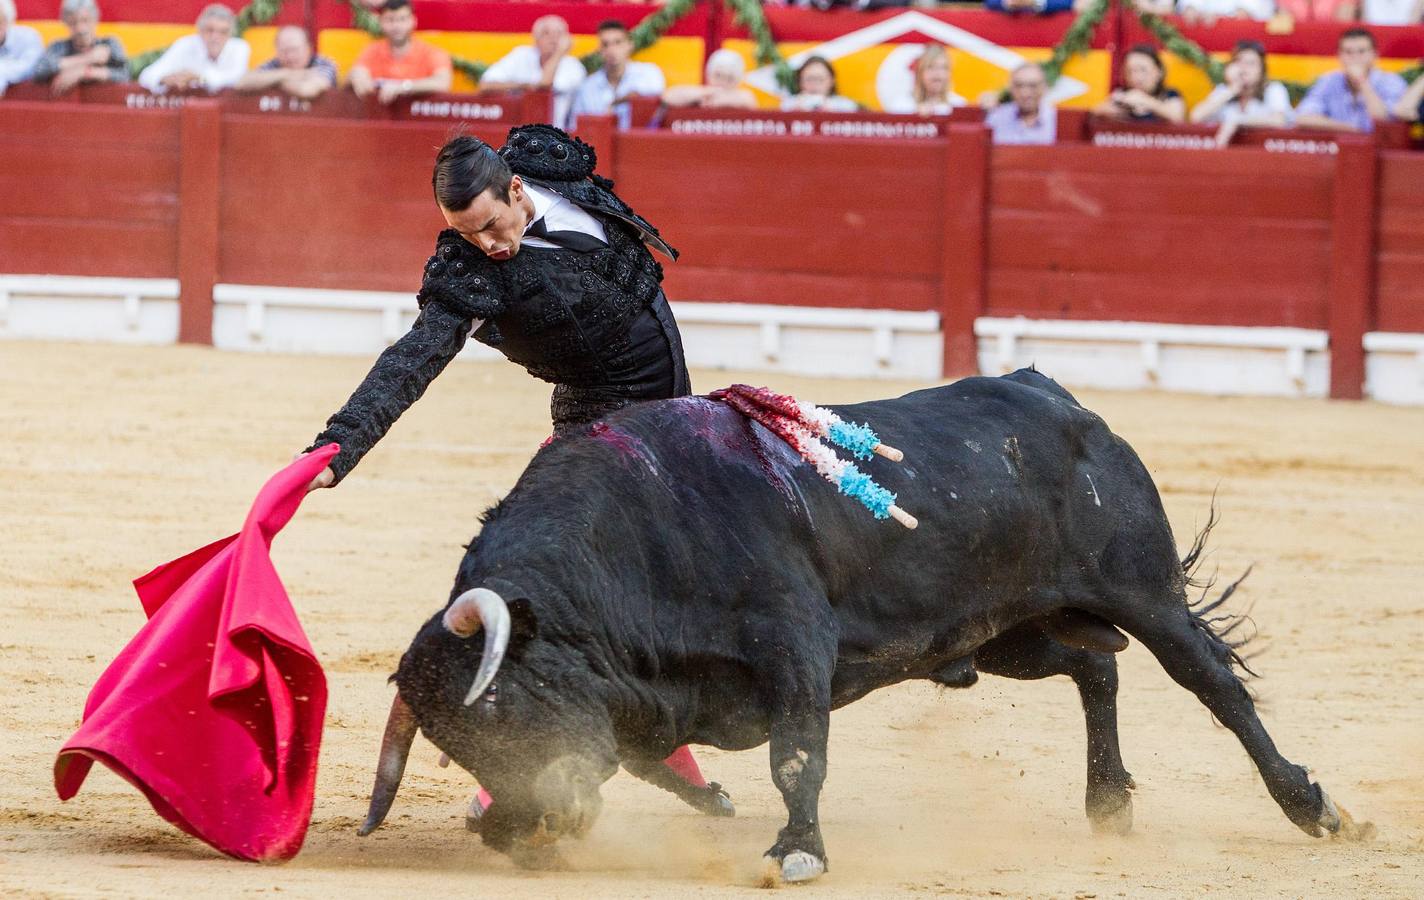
(1026, 653)
(1200, 662)
(796, 681)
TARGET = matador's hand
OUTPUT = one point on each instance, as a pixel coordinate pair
(324, 479)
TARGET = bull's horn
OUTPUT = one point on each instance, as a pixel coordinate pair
(395, 747)
(475, 609)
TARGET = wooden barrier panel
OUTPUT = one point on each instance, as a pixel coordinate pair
(328, 203)
(814, 222)
(1399, 260)
(87, 191)
(1235, 238)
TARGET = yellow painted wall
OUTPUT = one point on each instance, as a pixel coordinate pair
(1195, 85)
(679, 57)
(971, 76)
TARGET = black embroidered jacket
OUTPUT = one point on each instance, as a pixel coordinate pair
(594, 323)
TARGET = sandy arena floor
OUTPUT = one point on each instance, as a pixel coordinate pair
(115, 459)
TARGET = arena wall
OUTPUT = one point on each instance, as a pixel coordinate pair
(805, 247)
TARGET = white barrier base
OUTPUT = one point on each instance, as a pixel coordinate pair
(1200, 359)
(65, 308)
(856, 343)
(1394, 367)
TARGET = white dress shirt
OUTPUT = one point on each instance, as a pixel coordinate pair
(19, 55)
(1260, 10)
(559, 215)
(189, 54)
(597, 97)
(521, 66)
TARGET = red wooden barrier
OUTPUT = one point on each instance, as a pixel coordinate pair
(88, 191)
(199, 147)
(1223, 238)
(815, 221)
(1399, 256)
(1236, 237)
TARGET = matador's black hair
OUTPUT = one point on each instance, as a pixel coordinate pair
(465, 168)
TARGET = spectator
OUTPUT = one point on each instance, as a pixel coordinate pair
(1029, 6)
(1410, 106)
(20, 48)
(816, 89)
(83, 56)
(544, 64)
(296, 69)
(1144, 95)
(398, 65)
(1355, 97)
(1392, 12)
(1028, 118)
(1206, 12)
(608, 89)
(723, 89)
(1245, 97)
(1290, 11)
(211, 60)
(930, 93)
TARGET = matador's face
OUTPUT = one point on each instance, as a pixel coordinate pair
(491, 224)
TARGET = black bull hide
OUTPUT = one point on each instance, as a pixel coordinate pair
(675, 574)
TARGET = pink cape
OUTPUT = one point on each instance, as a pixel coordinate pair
(214, 709)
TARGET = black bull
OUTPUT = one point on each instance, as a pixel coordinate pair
(677, 575)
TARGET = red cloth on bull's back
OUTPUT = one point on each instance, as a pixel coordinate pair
(214, 709)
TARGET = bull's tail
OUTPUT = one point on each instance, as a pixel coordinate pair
(1225, 631)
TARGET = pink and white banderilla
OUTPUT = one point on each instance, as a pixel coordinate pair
(804, 426)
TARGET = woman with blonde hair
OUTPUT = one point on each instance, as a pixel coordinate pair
(930, 93)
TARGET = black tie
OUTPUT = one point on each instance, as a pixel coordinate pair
(571, 240)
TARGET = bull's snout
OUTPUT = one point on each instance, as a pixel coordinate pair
(566, 792)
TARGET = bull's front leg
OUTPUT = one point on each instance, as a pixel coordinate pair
(799, 693)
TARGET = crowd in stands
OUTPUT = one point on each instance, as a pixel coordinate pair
(399, 64)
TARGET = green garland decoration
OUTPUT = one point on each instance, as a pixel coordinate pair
(647, 32)
(1076, 39)
(749, 13)
(1173, 41)
(258, 12)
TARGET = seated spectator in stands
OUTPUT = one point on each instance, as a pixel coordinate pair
(1144, 95)
(210, 60)
(1245, 97)
(546, 63)
(20, 48)
(399, 65)
(1291, 11)
(1392, 12)
(83, 56)
(1206, 12)
(1357, 96)
(607, 90)
(930, 93)
(1027, 118)
(296, 69)
(723, 89)
(816, 89)
(1410, 106)
(1029, 6)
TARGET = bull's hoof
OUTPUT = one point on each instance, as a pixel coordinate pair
(1114, 817)
(1338, 823)
(718, 803)
(794, 868)
(474, 816)
(540, 857)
